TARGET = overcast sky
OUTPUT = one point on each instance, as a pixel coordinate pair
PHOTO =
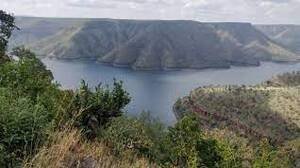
(255, 11)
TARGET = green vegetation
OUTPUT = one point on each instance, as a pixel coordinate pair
(266, 114)
(42, 125)
(6, 27)
(91, 111)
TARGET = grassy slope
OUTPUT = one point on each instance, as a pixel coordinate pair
(270, 110)
(286, 35)
(67, 149)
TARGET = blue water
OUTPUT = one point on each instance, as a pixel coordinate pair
(156, 91)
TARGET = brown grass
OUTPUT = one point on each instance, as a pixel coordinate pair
(67, 150)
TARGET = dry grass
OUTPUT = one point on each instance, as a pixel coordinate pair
(270, 111)
(286, 102)
(67, 150)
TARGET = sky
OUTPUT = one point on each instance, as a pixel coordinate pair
(254, 11)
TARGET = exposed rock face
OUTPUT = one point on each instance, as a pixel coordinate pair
(150, 45)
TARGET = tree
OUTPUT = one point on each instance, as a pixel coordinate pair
(7, 25)
(92, 110)
(188, 147)
(26, 76)
(29, 104)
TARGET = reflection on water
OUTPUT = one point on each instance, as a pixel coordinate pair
(157, 91)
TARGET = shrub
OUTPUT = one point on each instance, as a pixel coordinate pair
(92, 110)
(126, 133)
(187, 147)
(30, 103)
(7, 25)
(22, 125)
(26, 77)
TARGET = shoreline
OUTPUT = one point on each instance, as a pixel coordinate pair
(166, 69)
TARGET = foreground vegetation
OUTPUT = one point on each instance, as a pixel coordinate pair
(268, 112)
(42, 125)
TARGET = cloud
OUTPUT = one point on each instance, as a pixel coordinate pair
(90, 4)
(277, 1)
(256, 11)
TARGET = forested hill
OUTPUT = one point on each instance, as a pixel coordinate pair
(152, 44)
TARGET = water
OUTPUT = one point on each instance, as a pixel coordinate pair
(156, 92)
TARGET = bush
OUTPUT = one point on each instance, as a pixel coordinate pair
(7, 23)
(22, 125)
(26, 77)
(30, 103)
(269, 156)
(231, 156)
(126, 133)
(187, 146)
(92, 110)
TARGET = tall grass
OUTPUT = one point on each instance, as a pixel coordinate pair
(67, 149)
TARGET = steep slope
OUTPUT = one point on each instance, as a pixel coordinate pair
(286, 35)
(150, 45)
(176, 44)
(270, 110)
(34, 29)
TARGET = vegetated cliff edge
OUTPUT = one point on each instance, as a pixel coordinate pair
(270, 110)
(152, 44)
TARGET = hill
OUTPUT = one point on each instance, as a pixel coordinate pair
(286, 35)
(269, 110)
(150, 45)
(42, 125)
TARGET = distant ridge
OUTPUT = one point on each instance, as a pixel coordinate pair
(287, 35)
(150, 44)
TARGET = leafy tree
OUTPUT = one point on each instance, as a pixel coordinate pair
(30, 103)
(7, 25)
(187, 146)
(26, 76)
(92, 110)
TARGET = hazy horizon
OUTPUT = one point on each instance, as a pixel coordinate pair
(47, 17)
(250, 11)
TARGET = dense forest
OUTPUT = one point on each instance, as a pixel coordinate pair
(42, 125)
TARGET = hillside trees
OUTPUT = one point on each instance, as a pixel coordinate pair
(91, 110)
(7, 25)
